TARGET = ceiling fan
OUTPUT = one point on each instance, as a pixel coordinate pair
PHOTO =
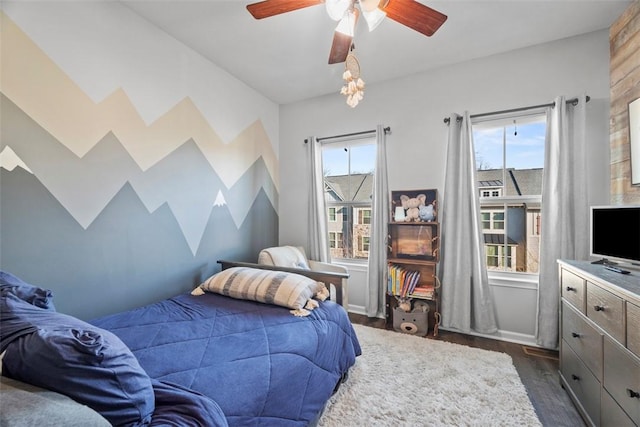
(407, 12)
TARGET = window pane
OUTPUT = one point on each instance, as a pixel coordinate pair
(486, 220)
(348, 177)
(488, 148)
(510, 162)
(525, 145)
(492, 256)
(363, 159)
(498, 220)
(365, 216)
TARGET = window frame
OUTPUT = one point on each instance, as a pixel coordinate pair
(332, 217)
(505, 201)
(349, 207)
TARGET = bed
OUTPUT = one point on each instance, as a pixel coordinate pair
(225, 354)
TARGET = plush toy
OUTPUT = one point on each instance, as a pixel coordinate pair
(412, 206)
(404, 304)
(426, 213)
(415, 322)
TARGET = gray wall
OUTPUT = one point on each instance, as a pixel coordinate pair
(415, 106)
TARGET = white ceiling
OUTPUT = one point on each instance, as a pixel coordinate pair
(285, 57)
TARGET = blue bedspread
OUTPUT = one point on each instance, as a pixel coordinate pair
(259, 363)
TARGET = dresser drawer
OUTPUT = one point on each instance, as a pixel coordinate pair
(612, 413)
(583, 384)
(583, 338)
(622, 378)
(606, 310)
(633, 328)
(573, 289)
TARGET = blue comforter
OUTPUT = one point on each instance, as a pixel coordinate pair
(262, 365)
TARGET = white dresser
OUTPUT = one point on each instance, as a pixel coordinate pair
(600, 342)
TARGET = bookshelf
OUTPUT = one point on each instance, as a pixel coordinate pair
(412, 258)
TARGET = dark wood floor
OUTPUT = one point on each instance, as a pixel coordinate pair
(538, 370)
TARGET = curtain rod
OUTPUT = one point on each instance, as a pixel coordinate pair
(366, 132)
(573, 102)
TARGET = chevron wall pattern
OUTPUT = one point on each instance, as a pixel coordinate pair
(101, 170)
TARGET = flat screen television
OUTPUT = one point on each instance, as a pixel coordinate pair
(615, 233)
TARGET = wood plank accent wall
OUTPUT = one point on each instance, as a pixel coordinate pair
(624, 42)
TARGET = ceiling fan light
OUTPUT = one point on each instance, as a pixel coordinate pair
(369, 5)
(337, 8)
(347, 24)
(373, 18)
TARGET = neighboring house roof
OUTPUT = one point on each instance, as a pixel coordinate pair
(351, 188)
(519, 182)
(359, 187)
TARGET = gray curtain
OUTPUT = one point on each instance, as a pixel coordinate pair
(376, 276)
(318, 234)
(565, 209)
(466, 301)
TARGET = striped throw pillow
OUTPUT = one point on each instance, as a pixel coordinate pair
(268, 286)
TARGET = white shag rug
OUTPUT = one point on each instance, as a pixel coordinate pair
(404, 380)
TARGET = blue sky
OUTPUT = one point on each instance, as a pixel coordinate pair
(524, 150)
(335, 160)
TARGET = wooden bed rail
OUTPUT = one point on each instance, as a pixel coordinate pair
(326, 277)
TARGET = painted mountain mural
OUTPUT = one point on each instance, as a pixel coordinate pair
(100, 206)
(127, 257)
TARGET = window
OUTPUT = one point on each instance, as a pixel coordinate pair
(510, 165)
(492, 219)
(335, 240)
(332, 215)
(364, 216)
(497, 258)
(491, 193)
(348, 183)
(363, 244)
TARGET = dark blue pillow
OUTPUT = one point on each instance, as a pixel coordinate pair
(32, 294)
(64, 354)
(179, 406)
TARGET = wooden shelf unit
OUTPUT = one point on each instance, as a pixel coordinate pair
(414, 246)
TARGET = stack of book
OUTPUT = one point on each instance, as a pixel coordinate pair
(426, 291)
(403, 282)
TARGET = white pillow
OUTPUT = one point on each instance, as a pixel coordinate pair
(268, 286)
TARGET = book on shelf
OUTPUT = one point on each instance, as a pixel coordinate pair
(425, 291)
(402, 281)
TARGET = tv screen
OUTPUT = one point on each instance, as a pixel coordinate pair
(615, 233)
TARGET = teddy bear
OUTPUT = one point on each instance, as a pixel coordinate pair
(427, 213)
(412, 206)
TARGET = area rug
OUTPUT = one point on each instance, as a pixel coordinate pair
(404, 380)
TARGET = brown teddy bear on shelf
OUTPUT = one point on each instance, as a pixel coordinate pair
(412, 205)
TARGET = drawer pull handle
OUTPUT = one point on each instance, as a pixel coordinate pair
(632, 393)
(570, 289)
(575, 377)
(575, 334)
(598, 308)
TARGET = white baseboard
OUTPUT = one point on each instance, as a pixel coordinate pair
(357, 309)
(507, 336)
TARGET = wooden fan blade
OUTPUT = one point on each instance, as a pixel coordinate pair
(342, 43)
(340, 47)
(267, 8)
(415, 15)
